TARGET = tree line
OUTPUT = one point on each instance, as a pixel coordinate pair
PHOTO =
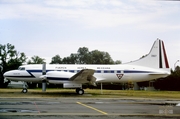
(11, 59)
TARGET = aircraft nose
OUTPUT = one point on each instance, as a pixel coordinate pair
(5, 74)
(8, 73)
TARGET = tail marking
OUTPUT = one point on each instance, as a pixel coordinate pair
(160, 55)
(165, 56)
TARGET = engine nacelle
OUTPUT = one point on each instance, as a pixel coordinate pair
(72, 85)
(60, 74)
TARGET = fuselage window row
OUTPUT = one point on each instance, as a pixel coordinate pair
(97, 71)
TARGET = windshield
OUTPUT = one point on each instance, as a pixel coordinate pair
(21, 68)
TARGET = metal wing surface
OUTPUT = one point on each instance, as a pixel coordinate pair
(83, 75)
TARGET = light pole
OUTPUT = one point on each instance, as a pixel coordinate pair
(175, 64)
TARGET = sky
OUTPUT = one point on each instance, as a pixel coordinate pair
(126, 29)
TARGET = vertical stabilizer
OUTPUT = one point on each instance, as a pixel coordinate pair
(156, 58)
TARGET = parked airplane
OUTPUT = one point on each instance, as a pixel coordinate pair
(152, 66)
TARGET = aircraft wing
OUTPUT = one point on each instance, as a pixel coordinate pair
(84, 75)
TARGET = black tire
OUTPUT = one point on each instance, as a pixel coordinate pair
(81, 92)
(24, 90)
(77, 90)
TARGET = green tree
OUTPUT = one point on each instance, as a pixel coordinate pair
(18, 59)
(36, 60)
(99, 57)
(117, 62)
(56, 60)
(10, 59)
(66, 60)
(72, 59)
(83, 55)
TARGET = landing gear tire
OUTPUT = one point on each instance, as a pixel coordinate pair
(79, 91)
(24, 90)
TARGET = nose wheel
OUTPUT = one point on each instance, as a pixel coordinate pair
(79, 91)
(25, 86)
(24, 90)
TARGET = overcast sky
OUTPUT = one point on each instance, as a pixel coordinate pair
(126, 29)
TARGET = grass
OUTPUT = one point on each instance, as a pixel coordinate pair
(89, 93)
(138, 94)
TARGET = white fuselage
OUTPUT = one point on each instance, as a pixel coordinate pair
(103, 73)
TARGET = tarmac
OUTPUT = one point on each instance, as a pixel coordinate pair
(80, 108)
(77, 107)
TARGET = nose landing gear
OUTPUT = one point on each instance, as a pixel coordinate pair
(25, 90)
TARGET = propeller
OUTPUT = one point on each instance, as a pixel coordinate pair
(44, 79)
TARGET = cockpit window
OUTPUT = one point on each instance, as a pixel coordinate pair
(21, 68)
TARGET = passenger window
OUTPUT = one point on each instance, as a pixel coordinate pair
(108, 71)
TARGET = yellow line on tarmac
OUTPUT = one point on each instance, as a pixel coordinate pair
(92, 108)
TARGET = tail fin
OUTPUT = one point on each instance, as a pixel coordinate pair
(156, 58)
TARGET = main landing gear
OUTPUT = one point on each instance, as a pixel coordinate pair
(25, 90)
(79, 91)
